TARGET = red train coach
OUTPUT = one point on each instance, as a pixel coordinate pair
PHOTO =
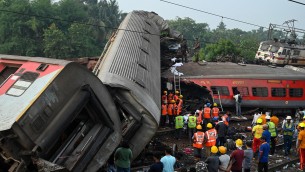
(260, 86)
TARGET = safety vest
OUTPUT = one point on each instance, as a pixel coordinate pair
(215, 111)
(179, 122)
(199, 118)
(176, 97)
(164, 109)
(179, 110)
(170, 109)
(198, 139)
(211, 136)
(175, 109)
(272, 129)
(191, 122)
(225, 119)
(207, 113)
(170, 97)
(290, 133)
(164, 98)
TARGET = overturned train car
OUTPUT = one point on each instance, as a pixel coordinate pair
(57, 115)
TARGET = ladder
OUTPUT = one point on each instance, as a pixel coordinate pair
(177, 83)
(218, 99)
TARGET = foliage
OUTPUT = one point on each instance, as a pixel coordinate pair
(64, 29)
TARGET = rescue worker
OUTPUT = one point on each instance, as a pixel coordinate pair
(226, 118)
(170, 112)
(198, 117)
(179, 126)
(198, 139)
(206, 116)
(210, 137)
(222, 130)
(255, 117)
(257, 132)
(176, 96)
(263, 117)
(180, 105)
(273, 130)
(223, 158)
(236, 157)
(213, 160)
(301, 146)
(275, 120)
(191, 126)
(164, 97)
(170, 97)
(288, 133)
(215, 112)
(164, 112)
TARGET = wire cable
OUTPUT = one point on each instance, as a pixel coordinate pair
(229, 18)
(296, 2)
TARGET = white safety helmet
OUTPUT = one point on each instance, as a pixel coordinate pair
(197, 111)
(288, 117)
(267, 117)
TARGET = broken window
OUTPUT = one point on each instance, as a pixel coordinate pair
(260, 91)
(278, 92)
(221, 89)
(296, 92)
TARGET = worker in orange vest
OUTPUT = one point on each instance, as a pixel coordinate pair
(176, 96)
(198, 117)
(164, 112)
(210, 137)
(176, 108)
(226, 118)
(206, 116)
(215, 112)
(198, 140)
(170, 113)
(164, 97)
(275, 120)
(180, 105)
(263, 117)
(170, 97)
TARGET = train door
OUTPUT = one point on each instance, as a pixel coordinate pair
(295, 53)
(287, 57)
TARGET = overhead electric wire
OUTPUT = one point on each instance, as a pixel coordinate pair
(296, 2)
(217, 15)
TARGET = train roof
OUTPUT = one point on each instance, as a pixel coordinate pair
(35, 59)
(227, 70)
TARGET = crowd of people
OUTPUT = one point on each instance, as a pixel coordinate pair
(207, 129)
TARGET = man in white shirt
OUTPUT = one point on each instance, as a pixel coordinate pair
(255, 117)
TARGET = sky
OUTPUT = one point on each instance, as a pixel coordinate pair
(258, 12)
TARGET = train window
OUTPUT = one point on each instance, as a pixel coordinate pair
(265, 47)
(296, 92)
(6, 73)
(222, 90)
(260, 91)
(242, 90)
(274, 49)
(296, 52)
(22, 84)
(284, 52)
(278, 92)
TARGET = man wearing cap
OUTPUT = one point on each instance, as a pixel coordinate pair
(288, 133)
(210, 137)
(198, 139)
(273, 131)
(238, 156)
(301, 145)
(257, 132)
(213, 160)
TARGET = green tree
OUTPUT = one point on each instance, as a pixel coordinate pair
(55, 43)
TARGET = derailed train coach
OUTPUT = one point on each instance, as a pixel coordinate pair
(57, 115)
